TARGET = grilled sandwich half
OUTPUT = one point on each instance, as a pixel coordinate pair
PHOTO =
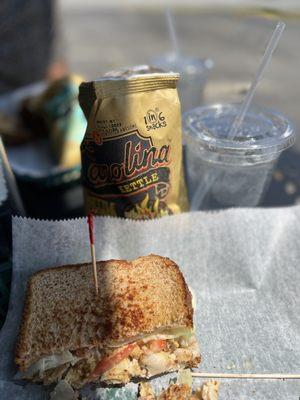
(139, 325)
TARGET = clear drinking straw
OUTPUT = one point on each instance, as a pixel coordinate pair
(262, 67)
(202, 189)
(209, 179)
(172, 32)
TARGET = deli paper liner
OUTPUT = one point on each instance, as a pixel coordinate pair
(243, 267)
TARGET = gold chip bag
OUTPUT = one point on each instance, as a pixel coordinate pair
(132, 150)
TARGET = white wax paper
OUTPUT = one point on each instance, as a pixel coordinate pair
(242, 264)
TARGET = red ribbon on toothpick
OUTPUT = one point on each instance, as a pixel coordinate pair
(93, 254)
(91, 228)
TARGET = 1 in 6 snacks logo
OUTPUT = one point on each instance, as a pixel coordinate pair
(154, 119)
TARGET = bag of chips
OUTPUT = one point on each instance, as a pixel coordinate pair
(132, 150)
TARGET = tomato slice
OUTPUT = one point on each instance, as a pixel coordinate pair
(157, 345)
(109, 362)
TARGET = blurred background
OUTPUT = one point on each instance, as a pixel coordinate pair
(221, 43)
(48, 47)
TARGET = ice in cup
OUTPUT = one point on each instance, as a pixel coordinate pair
(224, 172)
(193, 76)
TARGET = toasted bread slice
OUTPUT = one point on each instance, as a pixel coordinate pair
(136, 297)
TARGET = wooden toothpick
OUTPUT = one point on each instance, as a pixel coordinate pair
(93, 254)
(244, 376)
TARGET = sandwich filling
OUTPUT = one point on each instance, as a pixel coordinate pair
(147, 356)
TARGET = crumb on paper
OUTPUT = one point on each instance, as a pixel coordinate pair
(247, 364)
(176, 392)
(146, 391)
(230, 365)
(208, 391)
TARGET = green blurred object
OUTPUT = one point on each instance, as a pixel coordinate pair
(5, 280)
(55, 114)
(48, 169)
(66, 120)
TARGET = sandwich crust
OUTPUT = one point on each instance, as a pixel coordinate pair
(135, 297)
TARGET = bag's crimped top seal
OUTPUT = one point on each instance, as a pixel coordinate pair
(142, 78)
(140, 72)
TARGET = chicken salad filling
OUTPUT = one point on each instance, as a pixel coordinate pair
(146, 357)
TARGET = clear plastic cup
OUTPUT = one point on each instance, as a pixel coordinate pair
(193, 76)
(224, 172)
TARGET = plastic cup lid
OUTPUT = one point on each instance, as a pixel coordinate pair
(263, 131)
(182, 64)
